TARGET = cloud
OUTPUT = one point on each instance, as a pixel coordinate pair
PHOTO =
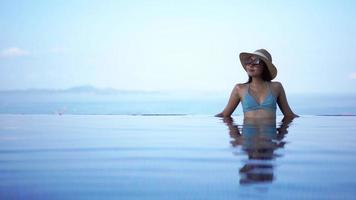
(13, 52)
(352, 75)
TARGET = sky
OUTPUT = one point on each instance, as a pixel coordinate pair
(175, 45)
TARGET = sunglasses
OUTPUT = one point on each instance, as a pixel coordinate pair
(256, 61)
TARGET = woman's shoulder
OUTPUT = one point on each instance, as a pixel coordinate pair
(276, 86)
(240, 86)
(240, 89)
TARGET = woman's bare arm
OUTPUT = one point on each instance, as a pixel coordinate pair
(234, 100)
(283, 103)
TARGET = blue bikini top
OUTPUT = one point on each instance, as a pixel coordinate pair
(249, 103)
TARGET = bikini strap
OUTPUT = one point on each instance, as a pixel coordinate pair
(270, 90)
(248, 89)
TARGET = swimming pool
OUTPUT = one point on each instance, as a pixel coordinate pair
(176, 157)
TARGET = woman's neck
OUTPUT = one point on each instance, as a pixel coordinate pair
(257, 81)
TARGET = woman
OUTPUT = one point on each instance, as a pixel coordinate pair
(259, 95)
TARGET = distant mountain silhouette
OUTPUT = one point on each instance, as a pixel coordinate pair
(77, 89)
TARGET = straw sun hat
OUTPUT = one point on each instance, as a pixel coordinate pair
(263, 55)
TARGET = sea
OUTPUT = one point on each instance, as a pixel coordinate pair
(136, 103)
(159, 146)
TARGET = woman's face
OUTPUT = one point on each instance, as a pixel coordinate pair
(254, 66)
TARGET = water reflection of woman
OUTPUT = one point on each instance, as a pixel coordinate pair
(258, 139)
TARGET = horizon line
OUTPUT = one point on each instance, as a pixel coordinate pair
(91, 88)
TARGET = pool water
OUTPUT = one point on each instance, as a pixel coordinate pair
(176, 157)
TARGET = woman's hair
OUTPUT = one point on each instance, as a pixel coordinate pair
(266, 75)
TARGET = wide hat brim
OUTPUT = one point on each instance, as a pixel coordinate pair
(244, 56)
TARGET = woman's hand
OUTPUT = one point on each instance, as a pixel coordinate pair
(219, 115)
